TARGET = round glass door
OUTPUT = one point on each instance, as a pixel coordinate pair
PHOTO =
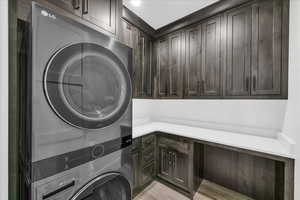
(107, 187)
(87, 85)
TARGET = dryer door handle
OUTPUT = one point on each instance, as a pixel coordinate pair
(59, 190)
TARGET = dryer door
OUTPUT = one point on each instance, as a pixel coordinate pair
(107, 187)
(87, 85)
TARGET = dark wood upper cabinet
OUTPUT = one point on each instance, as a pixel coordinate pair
(136, 62)
(145, 68)
(192, 80)
(162, 70)
(73, 6)
(203, 59)
(211, 57)
(266, 61)
(175, 65)
(238, 52)
(102, 13)
(169, 66)
(126, 34)
(141, 45)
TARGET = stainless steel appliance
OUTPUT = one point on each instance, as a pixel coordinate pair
(79, 116)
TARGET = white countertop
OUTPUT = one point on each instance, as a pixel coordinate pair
(261, 144)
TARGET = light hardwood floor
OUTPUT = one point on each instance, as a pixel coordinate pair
(207, 191)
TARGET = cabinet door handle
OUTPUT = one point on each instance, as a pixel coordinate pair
(166, 89)
(247, 83)
(85, 7)
(198, 85)
(203, 86)
(76, 4)
(170, 158)
(174, 160)
(254, 82)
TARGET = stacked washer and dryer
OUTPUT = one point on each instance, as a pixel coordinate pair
(79, 117)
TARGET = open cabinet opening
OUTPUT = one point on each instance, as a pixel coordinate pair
(254, 176)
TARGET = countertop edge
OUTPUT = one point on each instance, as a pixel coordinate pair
(271, 146)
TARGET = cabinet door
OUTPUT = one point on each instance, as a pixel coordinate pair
(101, 13)
(136, 61)
(145, 68)
(211, 37)
(126, 33)
(180, 168)
(266, 47)
(163, 81)
(73, 6)
(165, 163)
(175, 66)
(193, 62)
(238, 55)
(135, 169)
(147, 174)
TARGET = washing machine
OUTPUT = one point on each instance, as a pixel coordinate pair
(106, 178)
(78, 111)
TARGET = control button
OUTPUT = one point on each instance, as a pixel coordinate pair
(97, 151)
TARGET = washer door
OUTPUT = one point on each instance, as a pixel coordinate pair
(87, 85)
(107, 187)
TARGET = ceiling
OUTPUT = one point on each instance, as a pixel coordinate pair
(158, 13)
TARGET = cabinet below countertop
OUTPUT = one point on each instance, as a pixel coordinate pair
(183, 163)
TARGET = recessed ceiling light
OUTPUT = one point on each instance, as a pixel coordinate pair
(136, 3)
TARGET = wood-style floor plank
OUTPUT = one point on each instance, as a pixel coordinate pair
(158, 191)
(219, 193)
(207, 191)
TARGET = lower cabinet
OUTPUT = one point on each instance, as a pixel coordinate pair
(147, 175)
(164, 157)
(185, 164)
(173, 166)
(175, 161)
(164, 163)
(143, 162)
(180, 168)
(135, 166)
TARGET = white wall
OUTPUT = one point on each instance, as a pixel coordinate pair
(256, 117)
(141, 111)
(4, 99)
(292, 120)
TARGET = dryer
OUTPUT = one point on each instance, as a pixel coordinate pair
(78, 100)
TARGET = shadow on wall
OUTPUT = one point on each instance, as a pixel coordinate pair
(256, 117)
